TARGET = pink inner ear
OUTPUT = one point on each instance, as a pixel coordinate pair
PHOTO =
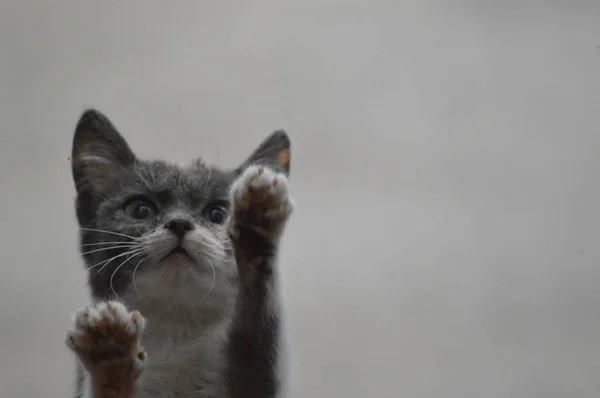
(283, 157)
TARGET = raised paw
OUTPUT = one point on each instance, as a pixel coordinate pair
(106, 339)
(261, 200)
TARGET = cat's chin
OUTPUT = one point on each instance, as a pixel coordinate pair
(177, 269)
(178, 258)
(175, 277)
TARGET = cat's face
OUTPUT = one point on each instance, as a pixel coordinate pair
(150, 227)
(163, 222)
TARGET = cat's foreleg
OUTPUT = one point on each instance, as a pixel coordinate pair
(106, 340)
(261, 207)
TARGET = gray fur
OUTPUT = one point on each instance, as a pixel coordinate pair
(192, 312)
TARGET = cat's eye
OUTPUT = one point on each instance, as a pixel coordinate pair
(216, 213)
(140, 209)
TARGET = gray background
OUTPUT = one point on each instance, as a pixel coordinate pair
(445, 163)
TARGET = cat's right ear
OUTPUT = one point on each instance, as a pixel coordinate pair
(99, 153)
(273, 152)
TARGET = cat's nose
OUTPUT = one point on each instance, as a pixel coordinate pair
(179, 227)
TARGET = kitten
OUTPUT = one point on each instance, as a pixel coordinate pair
(182, 266)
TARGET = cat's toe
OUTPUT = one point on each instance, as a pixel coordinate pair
(261, 200)
(108, 329)
(106, 340)
(78, 341)
(260, 189)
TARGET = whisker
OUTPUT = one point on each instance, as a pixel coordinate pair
(207, 176)
(108, 260)
(108, 232)
(106, 248)
(133, 277)
(212, 284)
(144, 180)
(121, 255)
(210, 246)
(113, 258)
(117, 270)
(109, 243)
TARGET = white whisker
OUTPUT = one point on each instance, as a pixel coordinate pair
(207, 176)
(108, 232)
(144, 180)
(109, 243)
(106, 248)
(115, 257)
(117, 270)
(133, 277)
(109, 260)
(212, 284)
(209, 246)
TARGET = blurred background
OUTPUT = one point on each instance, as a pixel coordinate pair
(445, 163)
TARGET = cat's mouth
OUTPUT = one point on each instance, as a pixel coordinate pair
(178, 252)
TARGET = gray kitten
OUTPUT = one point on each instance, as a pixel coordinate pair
(182, 264)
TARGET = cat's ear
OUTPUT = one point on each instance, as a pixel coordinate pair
(99, 153)
(273, 152)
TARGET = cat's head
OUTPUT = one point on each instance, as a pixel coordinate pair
(153, 227)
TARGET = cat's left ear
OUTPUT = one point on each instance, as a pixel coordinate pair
(273, 152)
(99, 153)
